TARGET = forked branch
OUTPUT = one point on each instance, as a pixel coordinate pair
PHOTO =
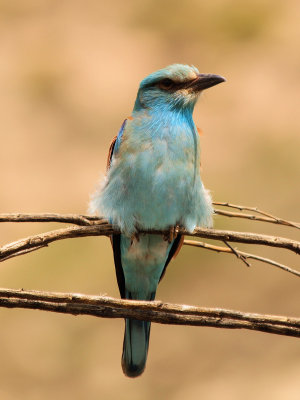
(220, 249)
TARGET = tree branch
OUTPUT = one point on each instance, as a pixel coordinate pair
(155, 311)
(238, 254)
(51, 217)
(164, 313)
(220, 249)
(90, 219)
(102, 228)
(266, 216)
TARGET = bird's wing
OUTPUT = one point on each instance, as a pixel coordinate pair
(116, 245)
(110, 153)
(174, 250)
(115, 144)
(115, 239)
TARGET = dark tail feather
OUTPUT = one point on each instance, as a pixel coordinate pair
(135, 347)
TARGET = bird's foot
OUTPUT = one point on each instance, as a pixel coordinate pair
(172, 233)
(135, 237)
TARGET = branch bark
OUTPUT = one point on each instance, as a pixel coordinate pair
(51, 217)
(105, 307)
(266, 217)
(89, 220)
(155, 311)
(102, 228)
(240, 254)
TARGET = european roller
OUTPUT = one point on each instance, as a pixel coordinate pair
(153, 183)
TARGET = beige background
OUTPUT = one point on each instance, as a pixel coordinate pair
(69, 71)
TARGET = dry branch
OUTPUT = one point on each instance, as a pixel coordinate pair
(89, 220)
(164, 313)
(155, 311)
(220, 249)
(266, 216)
(237, 254)
(51, 217)
(103, 228)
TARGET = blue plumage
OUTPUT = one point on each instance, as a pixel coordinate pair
(154, 182)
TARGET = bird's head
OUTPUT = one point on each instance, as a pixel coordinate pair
(175, 87)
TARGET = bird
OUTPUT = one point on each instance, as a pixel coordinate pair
(153, 183)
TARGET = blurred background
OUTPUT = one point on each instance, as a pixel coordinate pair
(69, 73)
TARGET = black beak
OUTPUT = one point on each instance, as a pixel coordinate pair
(205, 81)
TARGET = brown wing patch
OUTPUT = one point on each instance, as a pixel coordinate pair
(110, 151)
(179, 245)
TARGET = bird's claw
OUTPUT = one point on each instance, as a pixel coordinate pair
(134, 237)
(172, 233)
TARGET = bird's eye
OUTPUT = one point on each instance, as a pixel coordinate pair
(166, 84)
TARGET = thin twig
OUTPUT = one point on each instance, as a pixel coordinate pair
(21, 252)
(52, 217)
(238, 254)
(255, 218)
(220, 249)
(35, 242)
(269, 217)
(105, 229)
(155, 311)
(89, 220)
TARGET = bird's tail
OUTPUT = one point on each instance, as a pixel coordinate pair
(135, 347)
